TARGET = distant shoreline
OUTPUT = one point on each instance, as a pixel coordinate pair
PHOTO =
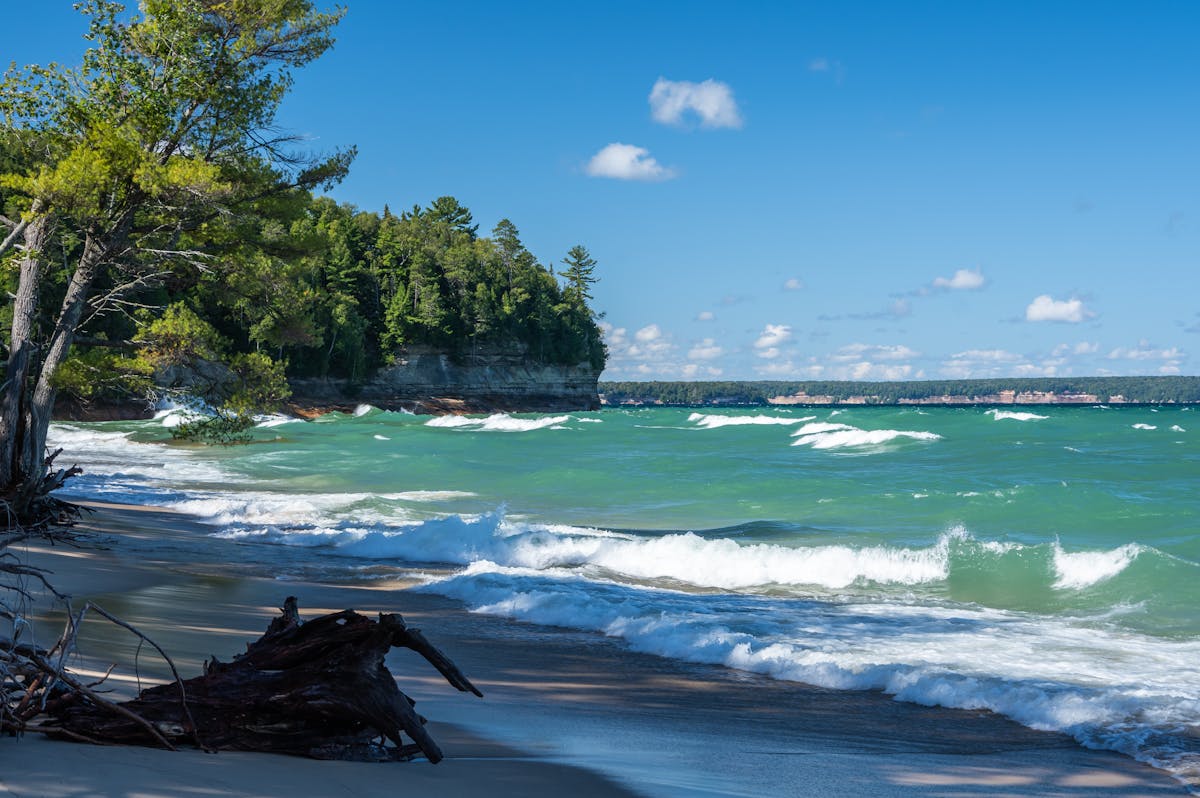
(1171, 390)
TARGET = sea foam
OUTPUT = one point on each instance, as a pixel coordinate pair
(1014, 415)
(1077, 570)
(498, 422)
(713, 421)
(826, 435)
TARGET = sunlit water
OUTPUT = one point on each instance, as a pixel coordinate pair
(1043, 564)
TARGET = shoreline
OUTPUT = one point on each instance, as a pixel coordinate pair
(579, 702)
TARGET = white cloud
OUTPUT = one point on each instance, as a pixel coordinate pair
(705, 315)
(710, 100)
(648, 351)
(982, 363)
(1046, 308)
(693, 370)
(987, 356)
(705, 350)
(627, 162)
(793, 284)
(769, 354)
(872, 352)
(1143, 351)
(963, 280)
(773, 335)
(651, 332)
(818, 65)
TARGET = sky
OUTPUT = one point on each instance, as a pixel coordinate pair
(787, 190)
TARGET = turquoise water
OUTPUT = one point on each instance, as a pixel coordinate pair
(1041, 563)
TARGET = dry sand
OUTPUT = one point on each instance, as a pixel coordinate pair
(565, 713)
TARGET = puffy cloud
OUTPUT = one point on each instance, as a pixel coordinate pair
(770, 353)
(648, 351)
(707, 349)
(705, 315)
(793, 284)
(773, 335)
(1046, 308)
(963, 280)
(651, 332)
(711, 100)
(627, 162)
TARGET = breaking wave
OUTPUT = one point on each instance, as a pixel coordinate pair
(498, 422)
(1014, 415)
(713, 421)
(827, 435)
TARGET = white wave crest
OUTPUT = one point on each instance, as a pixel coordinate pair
(1144, 426)
(275, 419)
(688, 558)
(498, 422)
(1177, 428)
(1077, 570)
(712, 421)
(823, 435)
(1014, 415)
(362, 410)
(1046, 674)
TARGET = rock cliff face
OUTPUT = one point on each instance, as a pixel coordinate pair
(425, 380)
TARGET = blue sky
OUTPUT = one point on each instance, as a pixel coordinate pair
(796, 190)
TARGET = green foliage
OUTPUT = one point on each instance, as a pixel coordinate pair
(226, 428)
(179, 337)
(102, 374)
(261, 384)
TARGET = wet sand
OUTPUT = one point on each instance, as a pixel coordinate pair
(564, 713)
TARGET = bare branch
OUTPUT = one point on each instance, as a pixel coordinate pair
(11, 239)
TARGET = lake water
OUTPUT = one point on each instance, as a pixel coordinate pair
(1040, 563)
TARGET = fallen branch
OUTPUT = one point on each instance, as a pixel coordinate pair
(318, 689)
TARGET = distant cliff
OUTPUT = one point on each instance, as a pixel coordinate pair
(996, 391)
(424, 379)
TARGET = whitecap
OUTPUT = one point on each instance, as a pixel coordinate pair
(498, 422)
(1014, 415)
(853, 437)
(1078, 570)
(713, 421)
(1144, 426)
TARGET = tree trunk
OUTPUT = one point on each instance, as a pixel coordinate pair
(14, 404)
(27, 480)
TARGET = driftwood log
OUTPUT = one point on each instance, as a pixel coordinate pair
(318, 689)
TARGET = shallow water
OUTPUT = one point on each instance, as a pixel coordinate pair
(1042, 564)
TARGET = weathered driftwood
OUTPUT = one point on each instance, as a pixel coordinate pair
(318, 689)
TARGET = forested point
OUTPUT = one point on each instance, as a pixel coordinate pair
(1032, 390)
(308, 287)
(159, 232)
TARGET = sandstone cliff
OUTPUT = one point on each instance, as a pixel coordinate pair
(428, 381)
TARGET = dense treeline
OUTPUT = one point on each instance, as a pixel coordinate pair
(364, 284)
(1132, 389)
(325, 290)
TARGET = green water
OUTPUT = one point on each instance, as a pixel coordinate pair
(1042, 563)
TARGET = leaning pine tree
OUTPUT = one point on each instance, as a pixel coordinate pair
(130, 162)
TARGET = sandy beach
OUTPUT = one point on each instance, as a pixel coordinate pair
(564, 713)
